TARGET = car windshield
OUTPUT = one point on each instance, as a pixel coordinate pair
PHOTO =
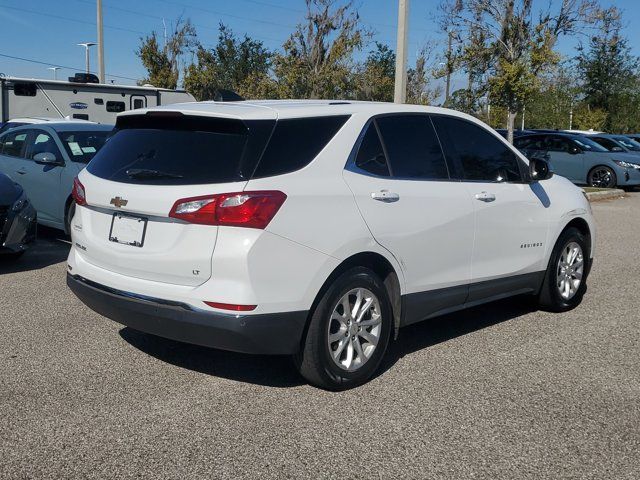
(589, 145)
(629, 143)
(83, 145)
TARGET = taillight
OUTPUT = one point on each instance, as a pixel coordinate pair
(78, 192)
(239, 209)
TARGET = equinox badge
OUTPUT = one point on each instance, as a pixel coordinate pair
(118, 202)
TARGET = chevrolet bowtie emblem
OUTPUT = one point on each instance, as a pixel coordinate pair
(118, 202)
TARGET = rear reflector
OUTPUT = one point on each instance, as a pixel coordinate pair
(78, 192)
(240, 209)
(231, 306)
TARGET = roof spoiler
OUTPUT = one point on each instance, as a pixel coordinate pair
(223, 95)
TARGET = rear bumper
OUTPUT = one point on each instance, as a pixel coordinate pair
(272, 334)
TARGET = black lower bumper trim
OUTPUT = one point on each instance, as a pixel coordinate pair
(272, 334)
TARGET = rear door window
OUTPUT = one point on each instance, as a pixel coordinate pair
(413, 147)
(13, 144)
(371, 157)
(477, 154)
(296, 142)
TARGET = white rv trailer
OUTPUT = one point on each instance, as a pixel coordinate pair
(97, 102)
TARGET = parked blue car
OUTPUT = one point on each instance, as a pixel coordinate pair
(582, 160)
(616, 143)
(45, 158)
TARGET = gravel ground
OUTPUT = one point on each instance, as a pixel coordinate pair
(499, 391)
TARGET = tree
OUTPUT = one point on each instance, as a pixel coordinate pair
(609, 72)
(418, 80)
(521, 48)
(376, 78)
(233, 64)
(317, 61)
(163, 62)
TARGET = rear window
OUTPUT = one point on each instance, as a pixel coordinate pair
(82, 146)
(188, 150)
(181, 150)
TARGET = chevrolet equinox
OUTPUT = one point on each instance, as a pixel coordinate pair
(317, 229)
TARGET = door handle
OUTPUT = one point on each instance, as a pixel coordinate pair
(22, 171)
(385, 196)
(485, 197)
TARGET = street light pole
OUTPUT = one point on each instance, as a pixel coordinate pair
(86, 46)
(100, 42)
(55, 72)
(400, 90)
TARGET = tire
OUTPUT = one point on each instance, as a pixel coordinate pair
(70, 212)
(557, 295)
(602, 177)
(324, 341)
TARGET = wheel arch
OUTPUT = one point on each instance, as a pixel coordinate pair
(583, 227)
(382, 267)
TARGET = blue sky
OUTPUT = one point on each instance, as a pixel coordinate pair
(48, 31)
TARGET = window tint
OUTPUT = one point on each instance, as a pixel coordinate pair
(629, 143)
(115, 106)
(43, 143)
(13, 143)
(478, 155)
(138, 103)
(413, 147)
(371, 157)
(605, 142)
(296, 142)
(530, 143)
(10, 125)
(181, 150)
(82, 146)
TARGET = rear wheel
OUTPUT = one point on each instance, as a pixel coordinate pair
(602, 177)
(565, 279)
(348, 332)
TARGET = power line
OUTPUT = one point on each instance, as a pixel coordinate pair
(156, 17)
(61, 66)
(60, 17)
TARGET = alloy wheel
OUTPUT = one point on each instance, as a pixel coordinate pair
(602, 177)
(570, 270)
(355, 327)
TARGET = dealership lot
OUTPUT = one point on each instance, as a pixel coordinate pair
(499, 391)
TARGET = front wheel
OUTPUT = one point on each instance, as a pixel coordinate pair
(348, 333)
(602, 177)
(565, 280)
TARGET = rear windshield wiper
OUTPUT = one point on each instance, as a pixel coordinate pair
(148, 173)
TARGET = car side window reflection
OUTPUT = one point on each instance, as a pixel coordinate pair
(371, 157)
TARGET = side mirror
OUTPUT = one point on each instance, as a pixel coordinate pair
(574, 150)
(47, 158)
(539, 169)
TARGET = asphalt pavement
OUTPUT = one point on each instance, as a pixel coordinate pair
(497, 392)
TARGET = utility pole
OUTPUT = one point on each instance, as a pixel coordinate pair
(400, 91)
(101, 75)
(86, 46)
(55, 72)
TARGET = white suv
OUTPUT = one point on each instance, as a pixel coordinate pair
(317, 228)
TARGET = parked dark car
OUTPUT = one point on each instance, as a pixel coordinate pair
(17, 219)
(582, 160)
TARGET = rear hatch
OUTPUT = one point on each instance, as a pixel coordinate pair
(152, 161)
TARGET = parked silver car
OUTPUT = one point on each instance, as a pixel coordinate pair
(582, 160)
(45, 158)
